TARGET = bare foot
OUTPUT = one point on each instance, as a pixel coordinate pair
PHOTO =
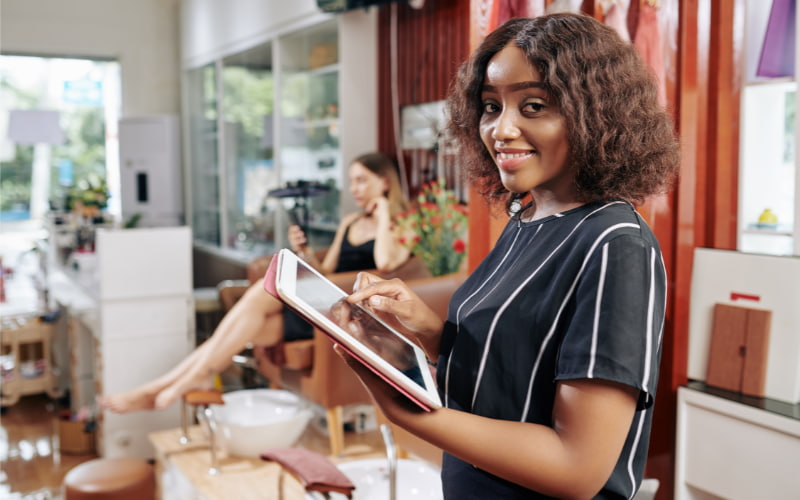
(190, 382)
(134, 400)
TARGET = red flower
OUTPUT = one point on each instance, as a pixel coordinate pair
(459, 246)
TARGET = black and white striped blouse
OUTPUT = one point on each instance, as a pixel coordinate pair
(576, 295)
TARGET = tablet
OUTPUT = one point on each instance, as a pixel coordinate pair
(374, 343)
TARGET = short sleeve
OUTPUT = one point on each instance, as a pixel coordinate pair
(615, 331)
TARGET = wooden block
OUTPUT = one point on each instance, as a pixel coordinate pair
(754, 372)
(737, 359)
(726, 353)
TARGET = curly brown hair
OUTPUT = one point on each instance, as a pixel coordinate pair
(622, 143)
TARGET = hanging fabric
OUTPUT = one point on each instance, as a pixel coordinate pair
(615, 15)
(777, 53)
(564, 6)
(649, 44)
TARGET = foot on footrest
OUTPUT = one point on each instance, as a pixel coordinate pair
(209, 397)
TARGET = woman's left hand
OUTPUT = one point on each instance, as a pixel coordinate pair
(391, 402)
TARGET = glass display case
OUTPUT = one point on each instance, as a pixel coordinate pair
(261, 119)
(248, 142)
(309, 125)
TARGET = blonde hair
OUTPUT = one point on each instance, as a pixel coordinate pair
(384, 166)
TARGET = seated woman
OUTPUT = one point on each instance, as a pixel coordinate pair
(365, 239)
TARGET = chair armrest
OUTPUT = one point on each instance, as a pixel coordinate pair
(437, 291)
(231, 291)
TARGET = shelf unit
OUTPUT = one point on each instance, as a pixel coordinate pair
(768, 171)
(26, 344)
(129, 315)
(314, 109)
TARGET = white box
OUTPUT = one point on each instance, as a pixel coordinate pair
(750, 280)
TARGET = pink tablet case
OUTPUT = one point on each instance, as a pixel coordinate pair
(271, 276)
(270, 285)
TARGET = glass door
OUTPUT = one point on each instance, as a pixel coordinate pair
(249, 141)
(201, 96)
(309, 127)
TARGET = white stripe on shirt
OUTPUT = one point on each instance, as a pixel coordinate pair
(561, 309)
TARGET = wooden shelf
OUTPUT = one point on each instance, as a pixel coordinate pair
(15, 334)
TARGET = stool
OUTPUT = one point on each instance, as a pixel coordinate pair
(111, 479)
(207, 310)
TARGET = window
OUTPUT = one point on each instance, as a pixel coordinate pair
(57, 135)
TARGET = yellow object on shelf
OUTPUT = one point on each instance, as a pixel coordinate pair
(768, 218)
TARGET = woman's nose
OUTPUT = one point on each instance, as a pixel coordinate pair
(505, 127)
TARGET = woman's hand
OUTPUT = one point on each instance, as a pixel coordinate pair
(392, 403)
(378, 208)
(297, 239)
(395, 303)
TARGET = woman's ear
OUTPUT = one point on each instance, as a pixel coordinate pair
(386, 186)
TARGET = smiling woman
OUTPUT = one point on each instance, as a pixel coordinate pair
(551, 349)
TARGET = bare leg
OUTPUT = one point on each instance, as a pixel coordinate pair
(256, 317)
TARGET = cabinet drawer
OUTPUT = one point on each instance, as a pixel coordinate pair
(145, 317)
(736, 452)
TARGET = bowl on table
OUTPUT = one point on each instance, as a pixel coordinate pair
(255, 420)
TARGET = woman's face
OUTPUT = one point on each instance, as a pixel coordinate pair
(366, 185)
(523, 129)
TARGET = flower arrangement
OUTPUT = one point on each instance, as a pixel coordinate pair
(89, 197)
(435, 229)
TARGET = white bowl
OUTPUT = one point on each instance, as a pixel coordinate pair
(415, 480)
(255, 420)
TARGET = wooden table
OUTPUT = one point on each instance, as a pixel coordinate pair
(243, 478)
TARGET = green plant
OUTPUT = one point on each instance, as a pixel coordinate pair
(90, 192)
(435, 229)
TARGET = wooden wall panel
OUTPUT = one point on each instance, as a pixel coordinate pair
(431, 43)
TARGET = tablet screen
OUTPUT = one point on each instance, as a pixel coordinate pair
(310, 290)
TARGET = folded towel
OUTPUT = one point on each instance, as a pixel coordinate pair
(314, 470)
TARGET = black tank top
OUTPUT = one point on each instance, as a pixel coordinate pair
(355, 257)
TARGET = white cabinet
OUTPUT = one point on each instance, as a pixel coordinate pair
(734, 447)
(132, 307)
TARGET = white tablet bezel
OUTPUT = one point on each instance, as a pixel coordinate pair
(285, 285)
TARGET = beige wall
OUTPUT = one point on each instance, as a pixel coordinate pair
(143, 35)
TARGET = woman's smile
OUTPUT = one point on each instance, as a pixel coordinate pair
(510, 160)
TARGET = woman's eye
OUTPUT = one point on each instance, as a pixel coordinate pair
(534, 107)
(490, 107)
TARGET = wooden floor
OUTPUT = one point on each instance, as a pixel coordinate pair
(32, 465)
